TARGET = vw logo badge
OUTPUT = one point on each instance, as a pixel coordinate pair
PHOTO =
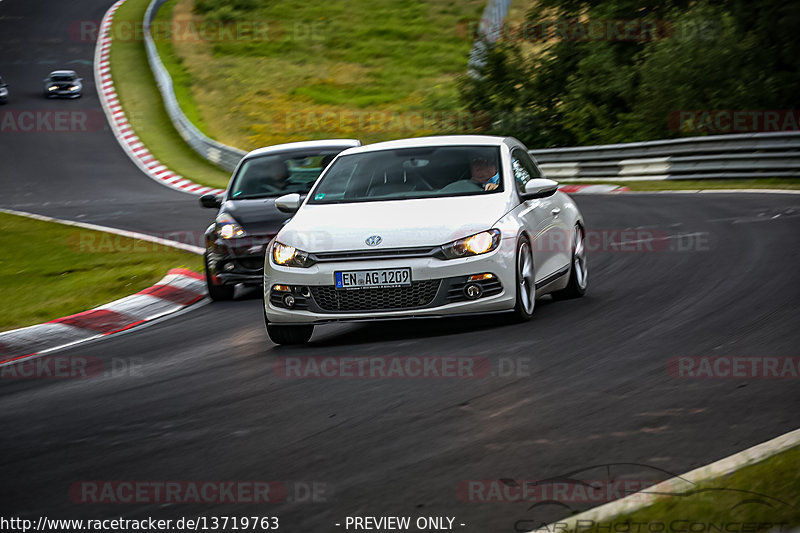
(373, 240)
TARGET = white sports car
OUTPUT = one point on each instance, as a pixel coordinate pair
(422, 227)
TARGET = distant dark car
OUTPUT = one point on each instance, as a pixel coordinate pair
(3, 91)
(64, 84)
(248, 219)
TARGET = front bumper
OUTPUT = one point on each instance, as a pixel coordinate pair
(63, 93)
(236, 261)
(437, 289)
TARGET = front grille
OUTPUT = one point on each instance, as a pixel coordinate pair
(419, 294)
(388, 253)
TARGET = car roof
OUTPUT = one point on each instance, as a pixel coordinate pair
(439, 140)
(287, 147)
(63, 73)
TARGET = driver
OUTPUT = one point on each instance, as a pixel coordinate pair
(279, 174)
(484, 173)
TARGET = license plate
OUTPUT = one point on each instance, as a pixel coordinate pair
(372, 279)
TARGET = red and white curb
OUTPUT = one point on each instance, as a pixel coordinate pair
(591, 189)
(122, 129)
(180, 288)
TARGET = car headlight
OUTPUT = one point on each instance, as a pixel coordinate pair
(477, 244)
(284, 255)
(228, 228)
(74, 88)
(52, 88)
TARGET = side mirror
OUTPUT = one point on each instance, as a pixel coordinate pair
(288, 203)
(211, 200)
(539, 188)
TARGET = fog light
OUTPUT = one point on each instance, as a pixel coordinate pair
(478, 277)
(288, 301)
(473, 291)
(228, 266)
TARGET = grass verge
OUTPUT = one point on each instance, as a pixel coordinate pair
(758, 498)
(296, 70)
(51, 270)
(677, 185)
(143, 105)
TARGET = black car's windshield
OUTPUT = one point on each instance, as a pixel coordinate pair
(282, 173)
(62, 78)
(406, 173)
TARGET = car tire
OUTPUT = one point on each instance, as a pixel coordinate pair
(526, 281)
(287, 335)
(578, 271)
(218, 293)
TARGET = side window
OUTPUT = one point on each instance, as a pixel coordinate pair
(524, 168)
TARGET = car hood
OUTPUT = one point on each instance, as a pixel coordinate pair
(257, 216)
(399, 223)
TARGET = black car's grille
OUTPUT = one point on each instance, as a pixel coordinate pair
(251, 263)
(419, 294)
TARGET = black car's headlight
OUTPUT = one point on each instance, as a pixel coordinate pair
(228, 228)
(74, 87)
(290, 256)
(480, 243)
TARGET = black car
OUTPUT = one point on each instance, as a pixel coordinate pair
(3, 91)
(248, 219)
(63, 84)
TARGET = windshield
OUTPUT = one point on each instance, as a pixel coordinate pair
(424, 172)
(279, 174)
(62, 78)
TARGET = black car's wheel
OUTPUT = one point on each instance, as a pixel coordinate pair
(289, 334)
(526, 281)
(218, 293)
(579, 270)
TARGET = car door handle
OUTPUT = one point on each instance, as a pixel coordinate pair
(555, 211)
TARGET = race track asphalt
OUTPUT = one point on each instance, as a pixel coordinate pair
(590, 383)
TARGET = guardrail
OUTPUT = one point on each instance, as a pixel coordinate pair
(742, 156)
(220, 154)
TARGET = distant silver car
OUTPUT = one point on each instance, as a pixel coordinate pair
(3, 91)
(64, 84)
